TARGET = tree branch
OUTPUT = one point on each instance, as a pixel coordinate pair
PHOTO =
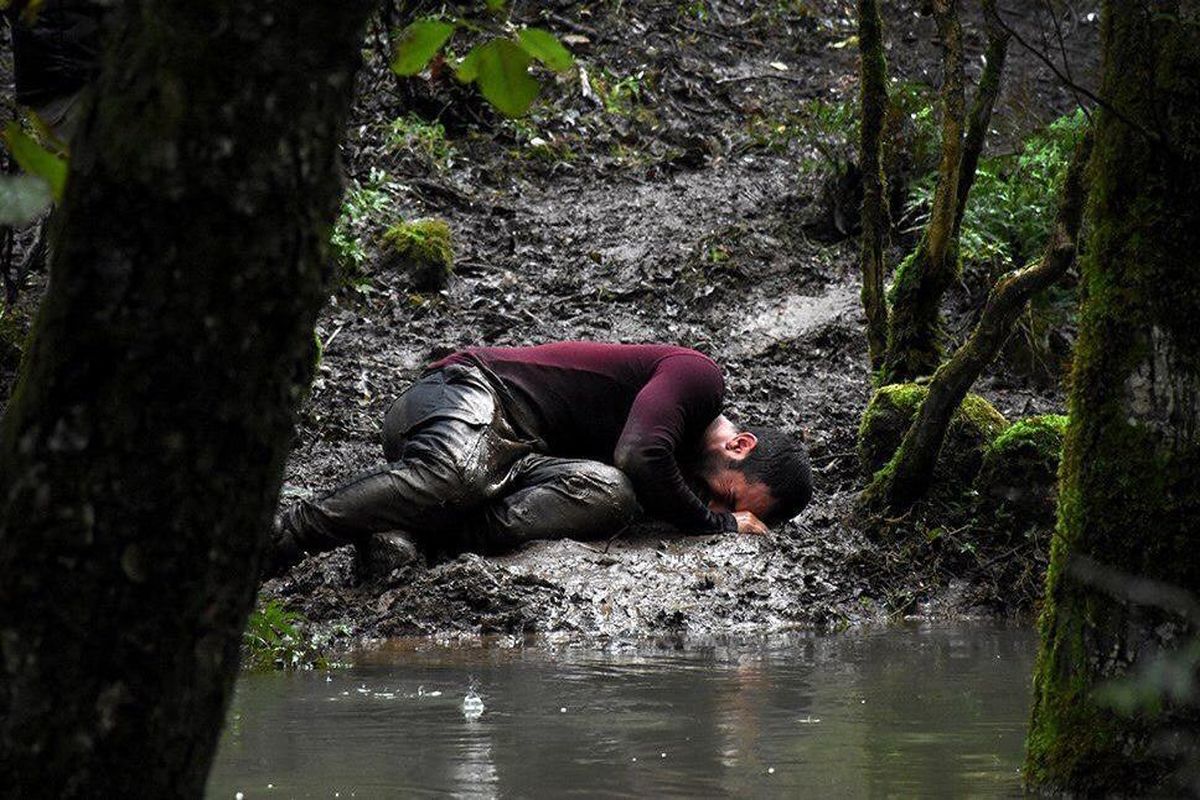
(1075, 87)
(873, 97)
(981, 111)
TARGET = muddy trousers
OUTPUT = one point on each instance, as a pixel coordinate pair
(458, 477)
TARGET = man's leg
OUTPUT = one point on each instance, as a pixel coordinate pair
(452, 451)
(552, 498)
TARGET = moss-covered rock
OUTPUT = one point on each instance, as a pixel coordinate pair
(421, 249)
(890, 413)
(1019, 474)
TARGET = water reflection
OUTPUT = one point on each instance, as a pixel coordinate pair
(899, 712)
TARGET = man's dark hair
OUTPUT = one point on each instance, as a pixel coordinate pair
(780, 460)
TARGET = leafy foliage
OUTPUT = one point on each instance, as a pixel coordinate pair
(1011, 208)
(498, 66)
(24, 197)
(273, 641)
(501, 70)
(36, 160)
(619, 95)
(424, 138)
(418, 44)
(363, 204)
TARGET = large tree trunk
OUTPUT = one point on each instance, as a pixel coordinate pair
(142, 451)
(1130, 479)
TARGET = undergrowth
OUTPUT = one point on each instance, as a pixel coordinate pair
(272, 640)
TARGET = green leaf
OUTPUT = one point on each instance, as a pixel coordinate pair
(418, 44)
(503, 77)
(542, 45)
(495, 6)
(468, 68)
(22, 198)
(36, 160)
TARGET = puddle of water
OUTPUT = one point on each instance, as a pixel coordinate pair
(929, 711)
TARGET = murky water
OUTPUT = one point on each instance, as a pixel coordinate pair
(901, 712)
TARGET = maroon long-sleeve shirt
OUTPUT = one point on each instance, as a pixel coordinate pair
(640, 407)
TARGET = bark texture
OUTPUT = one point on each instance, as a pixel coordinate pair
(981, 110)
(873, 100)
(141, 454)
(1130, 478)
(923, 277)
(908, 475)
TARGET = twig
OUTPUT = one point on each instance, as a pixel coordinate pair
(332, 336)
(1062, 48)
(591, 33)
(715, 35)
(1107, 106)
(775, 76)
(832, 457)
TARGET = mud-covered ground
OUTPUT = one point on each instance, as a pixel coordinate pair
(675, 195)
(679, 218)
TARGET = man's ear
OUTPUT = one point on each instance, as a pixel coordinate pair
(741, 444)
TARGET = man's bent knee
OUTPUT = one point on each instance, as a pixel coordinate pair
(613, 492)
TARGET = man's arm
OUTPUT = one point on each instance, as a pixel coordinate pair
(685, 393)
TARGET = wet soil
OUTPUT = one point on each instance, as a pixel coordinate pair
(668, 221)
(668, 212)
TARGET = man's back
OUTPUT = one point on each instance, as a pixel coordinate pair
(581, 397)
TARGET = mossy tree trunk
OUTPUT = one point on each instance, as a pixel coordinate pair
(980, 118)
(902, 329)
(909, 473)
(873, 100)
(142, 451)
(1130, 491)
(923, 277)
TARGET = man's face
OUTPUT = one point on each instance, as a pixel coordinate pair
(729, 490)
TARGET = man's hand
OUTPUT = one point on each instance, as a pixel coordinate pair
(748, 523)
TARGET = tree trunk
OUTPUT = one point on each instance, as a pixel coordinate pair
(1130, 478)
(907, 476)
(922, 279)
(873, 97)
(142, 452)
(981, 110)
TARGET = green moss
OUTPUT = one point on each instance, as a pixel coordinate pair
(1042, 434)
(890, 414)
(421, 248)
(1017, 482)
(902, 275)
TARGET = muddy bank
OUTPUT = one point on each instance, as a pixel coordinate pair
(685, 205)
(672, 220)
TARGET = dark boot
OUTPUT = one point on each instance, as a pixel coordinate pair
(283, 551)
(383, 553)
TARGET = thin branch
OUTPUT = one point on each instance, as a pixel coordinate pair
(1088, 93)
(1062, 48)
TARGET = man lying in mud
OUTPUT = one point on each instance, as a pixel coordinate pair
(497, 446)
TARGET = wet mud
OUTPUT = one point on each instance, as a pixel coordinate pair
(670, 216)
(666, 224)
